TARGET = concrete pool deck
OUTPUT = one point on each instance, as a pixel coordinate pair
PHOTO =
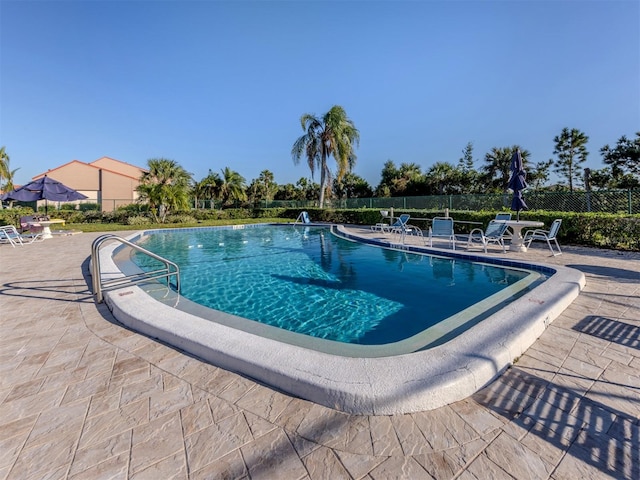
(83, 397)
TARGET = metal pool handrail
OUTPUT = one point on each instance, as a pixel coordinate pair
(99, 286)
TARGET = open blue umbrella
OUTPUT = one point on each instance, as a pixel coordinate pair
(44, 188)
(517, 183)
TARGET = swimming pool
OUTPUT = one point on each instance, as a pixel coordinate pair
(373, 385)
(311, 282)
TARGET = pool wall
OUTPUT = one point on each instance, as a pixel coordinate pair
(406, 383)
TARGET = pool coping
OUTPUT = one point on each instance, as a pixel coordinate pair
(405, 383)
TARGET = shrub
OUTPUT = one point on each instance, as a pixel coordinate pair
(138, 220)
(180, 218)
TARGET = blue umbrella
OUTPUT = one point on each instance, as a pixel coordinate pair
(517, 183)
(44, 188)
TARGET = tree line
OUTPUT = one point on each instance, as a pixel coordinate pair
(167, 186)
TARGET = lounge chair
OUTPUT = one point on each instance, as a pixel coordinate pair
(398, 225)
(546, 235)
(9, 234)
(381, 225)
(442, 227)
(495, 233)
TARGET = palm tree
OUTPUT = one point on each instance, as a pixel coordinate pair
(232, 187)
(208, 188)
(165, 186)
(4, 164)
(333, 135)
(497, 169)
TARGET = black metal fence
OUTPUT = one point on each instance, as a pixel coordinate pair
(605, 201)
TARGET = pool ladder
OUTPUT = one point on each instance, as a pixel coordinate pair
(99, 285)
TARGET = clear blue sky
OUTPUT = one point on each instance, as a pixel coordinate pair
(212, 84)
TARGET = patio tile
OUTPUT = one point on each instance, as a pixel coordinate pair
(162, 403)
(209, 444)
(264, 402)
(359, 466)
(322, 463)
(516, 459)
(383, 436)
(400, 467)
(411, 438)
(113, 468)
(483, 467)
(434, 430)
(114, 422)
(156, 440)
(43, 460)
(220, 408)
(86, 459)
(195, 417)
(86, 388)
(258, 425)
(231, 466)
(273, 456)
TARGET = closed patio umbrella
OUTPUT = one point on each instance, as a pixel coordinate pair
(44, 188)
(517, 183)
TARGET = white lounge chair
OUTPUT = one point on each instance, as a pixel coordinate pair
(381, 225)
(442, 227)
(546, 235)
(9, 234)
(495, 233)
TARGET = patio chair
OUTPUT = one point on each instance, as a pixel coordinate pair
(9, 234)
(546, 235)
(495, 233)
(29, 223)
(508, 234)
(442, 227)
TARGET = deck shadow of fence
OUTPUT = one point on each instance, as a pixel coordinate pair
(559, 414)
(610, 330)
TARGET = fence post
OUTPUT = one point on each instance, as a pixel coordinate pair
(629, 201)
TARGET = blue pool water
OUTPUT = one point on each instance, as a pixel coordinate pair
(306, 280)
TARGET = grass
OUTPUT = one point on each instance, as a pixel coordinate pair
(115, 227)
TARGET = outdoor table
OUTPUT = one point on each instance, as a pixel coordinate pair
(46, 226)
(517, 244)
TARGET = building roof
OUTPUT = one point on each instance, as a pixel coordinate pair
(91, 165)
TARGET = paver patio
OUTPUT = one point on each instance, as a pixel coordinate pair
(83, 397)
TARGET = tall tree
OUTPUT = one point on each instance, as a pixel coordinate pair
(497, 168)
(444, 178)
(232, 187)
(538, 175)
(352, 186)
(333, 135)
(389, 173)
(165, 187)
(469, 181)
(572, 152)
(623, 159)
